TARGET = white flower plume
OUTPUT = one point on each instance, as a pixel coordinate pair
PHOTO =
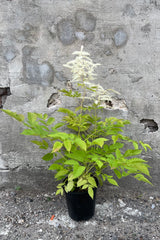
(82, 67)
(83, 71)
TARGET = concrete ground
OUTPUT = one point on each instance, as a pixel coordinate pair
(26, 213)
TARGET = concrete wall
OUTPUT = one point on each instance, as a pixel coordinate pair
(38, 36)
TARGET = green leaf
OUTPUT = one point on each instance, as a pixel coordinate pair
(118, 154)
(71, 162)
(50, 120)
(91, 192)
(135, 144)
(115, 138)
(140, 177)
(29, 132)
(32, 117)
(145, 146)
(118, 173)
(58, 125)
(79, 155)
(142, 168)
(92, 181)
(112, 181)
(81, 182)
(68, 145)
(57, 146)
(48, 157)
(99, 141)
(55, 166)
(59, 191)
(132, 152)
(67, 111)
(69, 186)
(45, 144)
(59, 135)
(45, 116)
(85, 186)
(62, 173)
(136, 160)
(81, 144)
(18, 117)
(37, 142)
(99, 163)
(77, 171)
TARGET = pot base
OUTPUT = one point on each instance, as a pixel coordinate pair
(80, 205)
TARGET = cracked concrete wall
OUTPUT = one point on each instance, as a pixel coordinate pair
(37, 37)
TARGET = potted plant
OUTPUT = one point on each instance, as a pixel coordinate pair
(84, 145)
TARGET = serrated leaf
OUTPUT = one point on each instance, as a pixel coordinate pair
(37, 142)
(58, 125)
(67, 111)
(81, 144)
(45, 116)
(118, 153)
(48, 157)
(85, 186)
(99, 141)
(71, 162)
(57, 146)
(115, 138)
(62, 173)
(81, 182)
(55, 166)
(99, 163)
(45, 144)
(18, 117)
(143, 168)
(118, 173)
(50, 120)
(140, 177)
(135, 144)
(59, 135)
(112, 181)
(68, 145)
(69, 186)
(92, 181)
(132, 152)
(145, 146)
(32, 117)
(29, 132)
(59, 191)
(91, 192)
(103, 177)
(77, 171)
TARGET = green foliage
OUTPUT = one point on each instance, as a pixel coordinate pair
(92, 145)
(86, 152)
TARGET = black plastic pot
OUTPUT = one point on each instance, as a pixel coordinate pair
(80, 205)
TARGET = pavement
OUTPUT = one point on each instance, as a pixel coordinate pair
(38, 214)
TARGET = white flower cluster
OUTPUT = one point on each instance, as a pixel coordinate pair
(82, 67)
(83, 71)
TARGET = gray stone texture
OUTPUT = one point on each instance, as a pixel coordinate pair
(85, 20)
(120, 38)
(38, 37)
(129, 11)
(34, 73)
(66, 31)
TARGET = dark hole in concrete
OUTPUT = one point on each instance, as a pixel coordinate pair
(109, 103)
(53, 100)
(4, 92)
(150, 124)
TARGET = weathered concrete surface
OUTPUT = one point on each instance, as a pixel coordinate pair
(119, 215)
(38, 37)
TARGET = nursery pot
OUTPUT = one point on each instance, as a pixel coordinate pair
(80, 205)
